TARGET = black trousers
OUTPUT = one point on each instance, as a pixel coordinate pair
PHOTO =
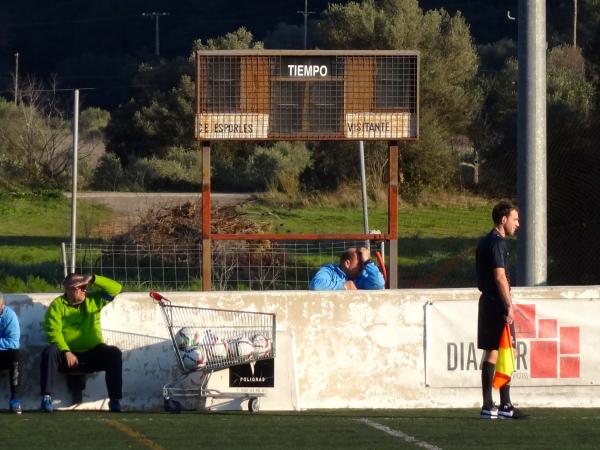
(103, 357)
(11, 360)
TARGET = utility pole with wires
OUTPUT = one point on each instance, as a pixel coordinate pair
(156, 16)
(305, 13)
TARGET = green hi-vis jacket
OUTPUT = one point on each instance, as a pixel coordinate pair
(77, 328)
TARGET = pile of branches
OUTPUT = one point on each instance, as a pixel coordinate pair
(172, 236)
(181, 226)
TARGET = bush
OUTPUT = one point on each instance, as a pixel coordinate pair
(109, 175)
(12, 284)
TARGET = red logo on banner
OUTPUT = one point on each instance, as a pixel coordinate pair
(554, 350)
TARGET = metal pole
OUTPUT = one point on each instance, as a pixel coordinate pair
(574, 23)
(305, 22)
(156, 36)
(393, 214)
(206, 238)
(363, 185)
(531, 144)
(156, 16)
(74, 185)
(16, 78)
(305, 13)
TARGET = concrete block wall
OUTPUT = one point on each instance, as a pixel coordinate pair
(343, 349)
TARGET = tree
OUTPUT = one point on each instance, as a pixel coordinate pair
(573, 170)
(449, 98)
(160, 115)
(36, 138)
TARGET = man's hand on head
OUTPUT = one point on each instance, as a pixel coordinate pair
(365, 254)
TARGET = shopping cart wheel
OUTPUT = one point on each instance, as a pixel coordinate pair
(172, 406)
(253, 404)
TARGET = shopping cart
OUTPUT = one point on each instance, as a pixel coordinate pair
(206, 340)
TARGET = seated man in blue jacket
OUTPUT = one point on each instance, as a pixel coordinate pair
(355, 271)
(10, 334)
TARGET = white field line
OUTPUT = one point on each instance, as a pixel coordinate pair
(399, 434)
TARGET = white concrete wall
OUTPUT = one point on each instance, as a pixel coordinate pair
(360, 349)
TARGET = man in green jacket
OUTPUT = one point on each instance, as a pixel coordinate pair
(72, 327)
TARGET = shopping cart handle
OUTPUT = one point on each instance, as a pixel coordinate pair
(156, 296)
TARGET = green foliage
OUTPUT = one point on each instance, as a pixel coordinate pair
(237, 40)
(109, 174)
(449, 97)
(179, 170)
(34, 152)
(280, 166)
(159, 115)
(93, 122)
(11, 284)
(429, 164)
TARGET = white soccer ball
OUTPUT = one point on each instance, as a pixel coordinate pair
(261, 345)
(242, 348)
(216, 348)
(193, 358)
(187, 337)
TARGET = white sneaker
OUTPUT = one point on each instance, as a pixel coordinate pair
(508, 411)
(489, 412)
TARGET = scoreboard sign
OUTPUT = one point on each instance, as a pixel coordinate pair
(306, 95)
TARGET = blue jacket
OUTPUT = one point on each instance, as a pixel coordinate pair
(331, 278)
(10, 332)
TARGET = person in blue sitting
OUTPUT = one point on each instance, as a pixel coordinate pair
(355, 271)
(10, 335)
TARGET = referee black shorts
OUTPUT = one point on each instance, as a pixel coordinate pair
(490, 322)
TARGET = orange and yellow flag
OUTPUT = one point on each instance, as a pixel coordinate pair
(505, 364)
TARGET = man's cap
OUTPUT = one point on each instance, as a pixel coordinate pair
(77, 280)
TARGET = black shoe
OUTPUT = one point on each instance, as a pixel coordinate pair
(509, 411)
(114, 405)
(77, 397)
(489, 412)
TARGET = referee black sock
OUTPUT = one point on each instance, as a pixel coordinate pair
(487, 379)
(505, 394)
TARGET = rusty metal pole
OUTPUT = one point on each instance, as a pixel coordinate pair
(393, 215)
(206, 248)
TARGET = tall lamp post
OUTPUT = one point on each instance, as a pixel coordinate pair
(156, 16)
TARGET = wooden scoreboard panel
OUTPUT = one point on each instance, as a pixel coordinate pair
(306, 95)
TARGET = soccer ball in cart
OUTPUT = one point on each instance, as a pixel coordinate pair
(193, 358)
(187, 337)
(261, 345)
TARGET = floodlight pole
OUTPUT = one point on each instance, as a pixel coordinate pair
(532, 239)
(156, 16)
(74, 184)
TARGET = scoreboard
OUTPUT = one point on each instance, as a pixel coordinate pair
(307, 95)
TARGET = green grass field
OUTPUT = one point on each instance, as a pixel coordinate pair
(331, 429)
(435, 247)
(31, 231)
